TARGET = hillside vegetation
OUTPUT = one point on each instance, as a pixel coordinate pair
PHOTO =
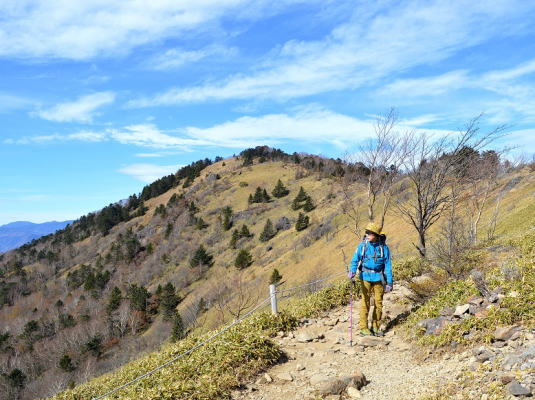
(194, 251)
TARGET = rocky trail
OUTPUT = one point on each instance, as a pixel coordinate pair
(319, 362)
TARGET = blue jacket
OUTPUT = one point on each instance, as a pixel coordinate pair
(373, 260)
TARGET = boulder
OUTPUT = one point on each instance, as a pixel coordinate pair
(353, 393)
(308, 335)
(356, 380)
(332, 386)
(433, 326)
(460, 310)
(284, 376)
(516, 389)
(505, 332)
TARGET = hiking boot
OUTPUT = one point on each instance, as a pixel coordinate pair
(365, 332)
(378, 332)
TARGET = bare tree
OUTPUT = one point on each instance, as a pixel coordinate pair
(429, 168)
(482, 181)
(383, 156)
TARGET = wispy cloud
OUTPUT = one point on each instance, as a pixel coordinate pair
(9, 102)
(148, 172)
(372, 45)
(92, 28)
(83, 136)
(176, 58)
(81, 110)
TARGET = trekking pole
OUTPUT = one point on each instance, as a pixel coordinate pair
(350, 302)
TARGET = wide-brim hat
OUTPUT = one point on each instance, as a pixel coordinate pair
(373, 227)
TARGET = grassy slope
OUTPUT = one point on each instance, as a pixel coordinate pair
(296, 263)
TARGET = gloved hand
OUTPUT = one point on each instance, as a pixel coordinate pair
(350, 275)
(388, 288)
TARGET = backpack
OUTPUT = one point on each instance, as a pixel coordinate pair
(360, 267)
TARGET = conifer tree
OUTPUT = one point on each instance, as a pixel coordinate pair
(258, 195)
(280, 190)
(200, 224)
(169, 301)
(302, 222)
(227, 218)
(201, 257)
(177, 332)
(234, 239)
(309, 205)
(244, 231)
(251, 199)
(268, 232)
(265, 196)
(192, 208)
(114, 301)
(243, 259)
(300, 199)
(275, 277)
(168, 229)
(65, 363)
(301, 195)
(138, 297)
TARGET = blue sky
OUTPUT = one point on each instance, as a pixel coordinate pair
(98, 98)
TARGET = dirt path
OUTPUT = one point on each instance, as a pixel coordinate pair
(319, 351)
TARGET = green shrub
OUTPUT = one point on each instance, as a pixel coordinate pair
(243, 259)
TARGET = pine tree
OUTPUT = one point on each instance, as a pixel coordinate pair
(243, 259)
(201, 306)
(309, 205)
(169, 301)
(200, 224)
(234, 239)
(65, 363)
(114, 301)
(265, 196)
(177, 332)
(251, 199)
(268, 232)
(258, 195)
(227, 218)
(275, 277)
(138, 296)
(244, 231)
(302, 222)
(192, 208)
(201, 257)
(301, 197)
(168, 229)
(280, 190)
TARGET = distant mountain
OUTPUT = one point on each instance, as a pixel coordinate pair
(17, 233)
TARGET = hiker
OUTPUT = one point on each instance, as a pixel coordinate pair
(372, 262)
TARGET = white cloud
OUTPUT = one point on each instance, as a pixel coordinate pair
(427, 86)
(374, 44)
(81, 110)
(82, 30)
(83, 136)
(176, 58)
(149, 135)
(149, 172)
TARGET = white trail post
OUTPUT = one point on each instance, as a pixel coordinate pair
(273, 295)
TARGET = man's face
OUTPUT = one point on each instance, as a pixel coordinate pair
(372, 237)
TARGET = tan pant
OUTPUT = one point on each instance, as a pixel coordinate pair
(367, 289)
